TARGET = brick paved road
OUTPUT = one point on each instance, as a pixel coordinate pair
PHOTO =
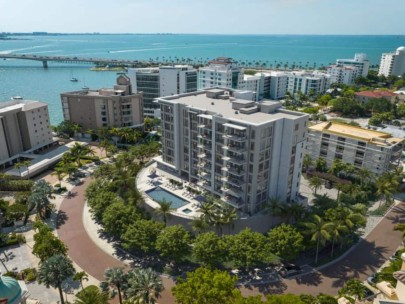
(82, 249)
(368, 256)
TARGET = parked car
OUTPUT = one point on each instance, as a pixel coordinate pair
(79, 174)
(372, 279)
(288, 270)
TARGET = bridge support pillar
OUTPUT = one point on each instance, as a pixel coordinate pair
(45, 64)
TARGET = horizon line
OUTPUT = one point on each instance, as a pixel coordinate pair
(39, 33)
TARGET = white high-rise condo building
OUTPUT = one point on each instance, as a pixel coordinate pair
(393, 63)
(242, 151)
(359, 61)
(308, 82)
(363, 148)
(162, 81)
(24, 127)
(220, 72)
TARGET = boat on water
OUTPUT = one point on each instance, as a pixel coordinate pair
(17, 98)
(85, 88)
(74, 79)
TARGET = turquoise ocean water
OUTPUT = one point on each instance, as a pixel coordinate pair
(30, 80)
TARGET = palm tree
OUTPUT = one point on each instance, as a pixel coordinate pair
(315, 183)
(91, 295)
(364, 174)
(76, 153)
(199, 225)
(336, 229)
(275, 207)
(103, 146)
(144, 285)
(318, 230)
(81, 276)
(116, 278)
(207, 210)
(54, 271)
(228, 216)
(306, 162)
(41, 192)
(18, 166)
(164, 210)
(26, 163)
(59, 172)
(387, 185)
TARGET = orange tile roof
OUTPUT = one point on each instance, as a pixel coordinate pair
(376, 94)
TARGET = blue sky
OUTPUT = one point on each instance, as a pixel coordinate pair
(205, 16)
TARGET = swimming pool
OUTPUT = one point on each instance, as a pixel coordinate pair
(159, 194)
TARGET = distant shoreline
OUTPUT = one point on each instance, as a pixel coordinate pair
(165, 34)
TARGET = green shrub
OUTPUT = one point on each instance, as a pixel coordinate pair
(30, 274)
(7, 184)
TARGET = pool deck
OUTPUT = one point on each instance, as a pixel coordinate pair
(147, 181)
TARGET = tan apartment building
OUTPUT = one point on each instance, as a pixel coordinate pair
(374, 150)
(95, 109)
(24, 126)
(240, 150)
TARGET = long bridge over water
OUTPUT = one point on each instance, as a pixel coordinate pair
(74, 59)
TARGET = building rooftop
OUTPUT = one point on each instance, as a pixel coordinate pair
(376, 137)
(224, 107)
(375, 94)
(24, 105)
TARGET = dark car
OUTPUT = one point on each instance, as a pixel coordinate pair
(79, 174)
(289, 270)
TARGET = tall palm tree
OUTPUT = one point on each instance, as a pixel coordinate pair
(54, 271)
(116, 278)
(315, 183)
(164, 210)
(336, 229)
(387, 185)
(91, 296)
(318, 230)
(144, 285)
(103, 146)
(59, 172)
(81, 276)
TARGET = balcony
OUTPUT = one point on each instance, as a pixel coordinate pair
(234, 137)
(234, 170)
(232, 191)
(235, 182)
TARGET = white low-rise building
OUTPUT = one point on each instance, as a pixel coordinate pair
(243, 151)
(393, 63)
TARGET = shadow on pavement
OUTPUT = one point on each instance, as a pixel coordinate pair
(61, 218)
